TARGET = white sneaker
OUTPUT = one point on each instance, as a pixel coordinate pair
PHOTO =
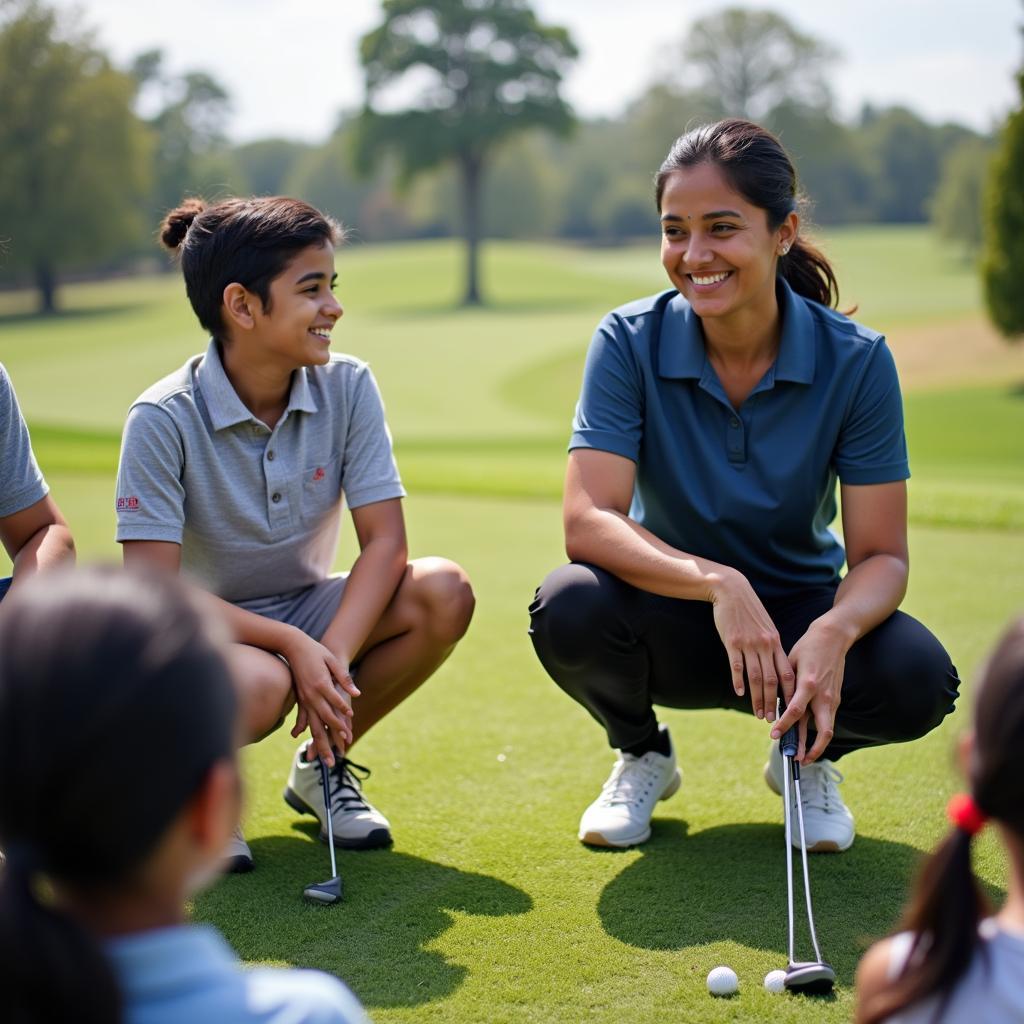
(621, 815)
(357, 824)
(828, 823)
(237, 859)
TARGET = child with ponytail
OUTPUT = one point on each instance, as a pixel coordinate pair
(114, 669)
(953, 961)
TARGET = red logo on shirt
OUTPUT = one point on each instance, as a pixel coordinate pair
(127, 504)
(319, 474)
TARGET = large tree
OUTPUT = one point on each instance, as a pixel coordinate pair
(74, 155)
(485, 70)
(754, 60)
(1003, 265)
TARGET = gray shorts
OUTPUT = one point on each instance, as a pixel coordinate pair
(310, 609)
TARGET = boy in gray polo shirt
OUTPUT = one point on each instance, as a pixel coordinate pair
(234, 469)
(32, 529)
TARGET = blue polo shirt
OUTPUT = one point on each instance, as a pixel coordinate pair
(755, 488)
(190, 974)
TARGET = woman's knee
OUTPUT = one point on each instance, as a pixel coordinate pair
(919, 684)
(574, 609)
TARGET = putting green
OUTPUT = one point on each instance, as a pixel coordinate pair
(487, 909)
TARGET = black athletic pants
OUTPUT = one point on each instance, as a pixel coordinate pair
(618, 651)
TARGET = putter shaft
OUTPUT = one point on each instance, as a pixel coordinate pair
(327, 810)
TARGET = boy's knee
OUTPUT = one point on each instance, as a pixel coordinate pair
(444, 592)
(263, 683)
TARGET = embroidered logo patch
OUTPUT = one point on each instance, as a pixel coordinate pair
(319, 473)
(127, 504)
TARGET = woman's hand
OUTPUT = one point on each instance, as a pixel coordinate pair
(324, 690)
(751, 643)
(819, 658)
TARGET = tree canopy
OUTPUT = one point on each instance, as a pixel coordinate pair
(489, 70)
(75, 157)
(1003, 265)
(753, 60)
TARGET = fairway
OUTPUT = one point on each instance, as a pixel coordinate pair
(487, 909)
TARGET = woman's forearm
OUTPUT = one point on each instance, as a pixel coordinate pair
(613, 541)
(869, 593)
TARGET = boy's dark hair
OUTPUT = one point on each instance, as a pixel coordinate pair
(115, 703)
(248, 241)
(756, 166)
(948, 904)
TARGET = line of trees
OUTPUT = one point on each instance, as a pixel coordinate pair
(487, 147)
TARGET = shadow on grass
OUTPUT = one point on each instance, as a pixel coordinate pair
(395, 906)
(729, 884)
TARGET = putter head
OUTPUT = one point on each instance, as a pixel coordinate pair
(814, 979)
(328, 892)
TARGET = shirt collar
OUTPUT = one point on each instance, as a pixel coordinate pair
(169, 959)
(681, 352)
(226, 408)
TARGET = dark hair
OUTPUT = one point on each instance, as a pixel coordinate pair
(114, 705)
(248, 241)
(759, 169)
(948, 904)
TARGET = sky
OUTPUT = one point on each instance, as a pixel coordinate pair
(291, 65)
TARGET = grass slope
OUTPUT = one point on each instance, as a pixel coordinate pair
(487, 909)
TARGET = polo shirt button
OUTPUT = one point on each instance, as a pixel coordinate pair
(275, 497)
(270, 455)
(734, 423)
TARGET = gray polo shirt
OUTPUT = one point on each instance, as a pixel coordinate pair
(256, 511)
(21, 482)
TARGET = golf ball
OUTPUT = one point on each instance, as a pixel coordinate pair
(775, 981)
(722, 981)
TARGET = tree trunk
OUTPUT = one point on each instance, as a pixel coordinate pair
(471, 168)
(46, 282)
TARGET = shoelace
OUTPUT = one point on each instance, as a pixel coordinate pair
(346, 793)
(818, 785)
(630, 781)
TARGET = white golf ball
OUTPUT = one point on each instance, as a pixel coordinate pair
(775, 981)
(722, 981)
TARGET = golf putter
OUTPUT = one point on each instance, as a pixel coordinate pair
(812, 977)
(328, 892)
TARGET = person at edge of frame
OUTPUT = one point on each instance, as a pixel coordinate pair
(235, 469)
(32, 529)
(953, 959)
(713, 422)
(109, 666)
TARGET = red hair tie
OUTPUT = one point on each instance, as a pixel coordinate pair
(963, 812)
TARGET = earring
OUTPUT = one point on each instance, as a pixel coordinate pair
(784, 250)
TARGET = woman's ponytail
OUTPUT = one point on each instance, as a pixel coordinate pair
(806, 269)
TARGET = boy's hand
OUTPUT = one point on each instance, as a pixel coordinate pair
(324, 690)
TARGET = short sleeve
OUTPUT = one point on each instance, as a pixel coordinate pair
(150, 499)
(610, 411)
(21, 482)
(872, 446)
(368, 469)
(301, 997)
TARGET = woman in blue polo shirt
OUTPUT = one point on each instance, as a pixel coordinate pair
(713, 423)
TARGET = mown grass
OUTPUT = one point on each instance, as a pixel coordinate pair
(487, 909)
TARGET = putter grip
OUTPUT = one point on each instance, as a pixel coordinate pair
(788, 740)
